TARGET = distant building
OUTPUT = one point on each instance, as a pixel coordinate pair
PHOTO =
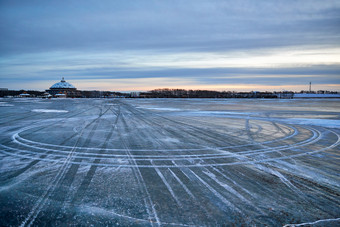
(24, 95)
(285, 95)
(64, 89)
(46, 95)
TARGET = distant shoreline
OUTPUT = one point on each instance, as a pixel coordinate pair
(172, 93)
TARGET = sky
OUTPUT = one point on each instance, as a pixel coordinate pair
(140, 45)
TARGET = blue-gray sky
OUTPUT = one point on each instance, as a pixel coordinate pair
(140, 45)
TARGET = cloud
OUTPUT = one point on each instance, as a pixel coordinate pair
(206, 41)
(165, 25)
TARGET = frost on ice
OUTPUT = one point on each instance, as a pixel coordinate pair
(169, 162)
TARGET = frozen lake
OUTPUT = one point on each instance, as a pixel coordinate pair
(169, 162)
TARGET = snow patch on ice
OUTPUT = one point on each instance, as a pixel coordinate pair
(330, 123)
(49, 111)
(225, 112)
(216, 113)
(161, 108)
(5, 104)
(170, 140)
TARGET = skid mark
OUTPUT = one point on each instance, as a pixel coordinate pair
(216, 193)
(149, 205)
(17, 137)
(88, 178)
(272, 171)
(182, 184)
(228, 188)
(21, 171)
(29, 220)
(220, 153)
(73, 169)
(168, 186)
(198, 201)
(284, 180)
(316, 137)
(336, 220)
(42, 200)
(231, 180)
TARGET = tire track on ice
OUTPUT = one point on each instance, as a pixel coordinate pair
(150, 207)
(223, 154)
(38, 206)
(229, 189)
(34, 162)
(337, 220)
(88, 178)
(198, 131)
(145, 133)
(89, 148)
(61, 192)
(270, 170)
(168, 186)
(211, 189)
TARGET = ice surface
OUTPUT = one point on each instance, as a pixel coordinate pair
(169, 162)
(49, 111)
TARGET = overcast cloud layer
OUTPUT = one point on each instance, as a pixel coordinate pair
(140, 45)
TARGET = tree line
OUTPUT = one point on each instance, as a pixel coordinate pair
(182, 93)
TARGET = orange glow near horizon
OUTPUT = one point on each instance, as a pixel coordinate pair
(127, 85)
(147, 84)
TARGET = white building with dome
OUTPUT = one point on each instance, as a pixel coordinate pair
(64, 89)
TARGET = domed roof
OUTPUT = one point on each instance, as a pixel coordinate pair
(62, 84)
